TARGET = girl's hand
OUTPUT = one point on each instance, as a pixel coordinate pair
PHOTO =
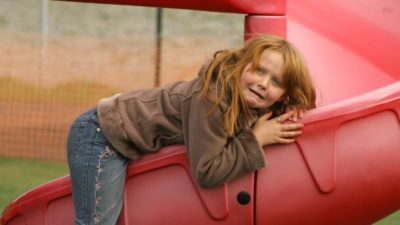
(298, 113)
(272, 131)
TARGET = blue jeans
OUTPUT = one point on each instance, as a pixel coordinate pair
(97, 172)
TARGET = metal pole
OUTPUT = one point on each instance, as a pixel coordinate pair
(158, 47)
(44, 40)
(45, 29)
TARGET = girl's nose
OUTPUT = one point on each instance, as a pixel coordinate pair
(263, 83)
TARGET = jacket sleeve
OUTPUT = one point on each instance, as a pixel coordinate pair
(214, 157)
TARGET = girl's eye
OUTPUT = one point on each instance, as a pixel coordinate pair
(276, 81)
(260, 71)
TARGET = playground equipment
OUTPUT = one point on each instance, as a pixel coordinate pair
(343, 169)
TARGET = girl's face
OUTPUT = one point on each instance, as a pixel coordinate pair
(262, 88)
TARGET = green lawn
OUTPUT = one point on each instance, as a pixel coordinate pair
(393, 219)
(20, 175)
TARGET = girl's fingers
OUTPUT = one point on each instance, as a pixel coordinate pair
(294, 117)
(266, 116)
(298, 113)
(290, 134)
(285, 140)
(285, 116)
(292, 126)
(301, 113)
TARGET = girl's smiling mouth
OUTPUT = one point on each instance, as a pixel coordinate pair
(256, 93)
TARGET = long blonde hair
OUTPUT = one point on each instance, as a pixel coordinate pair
(227, 67)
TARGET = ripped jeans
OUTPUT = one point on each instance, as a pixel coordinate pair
(97, 172)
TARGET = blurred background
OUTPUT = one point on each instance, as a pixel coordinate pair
(52, 69)
(59, 58)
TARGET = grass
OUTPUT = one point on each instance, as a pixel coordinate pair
(393, 219)
(20, 175)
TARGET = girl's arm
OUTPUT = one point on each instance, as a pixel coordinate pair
(214, 157)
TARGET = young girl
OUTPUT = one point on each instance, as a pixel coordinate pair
(238, 103)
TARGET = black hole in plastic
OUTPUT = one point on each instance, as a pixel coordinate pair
(243, 198)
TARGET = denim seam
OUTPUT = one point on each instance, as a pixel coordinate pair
(94, 135)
